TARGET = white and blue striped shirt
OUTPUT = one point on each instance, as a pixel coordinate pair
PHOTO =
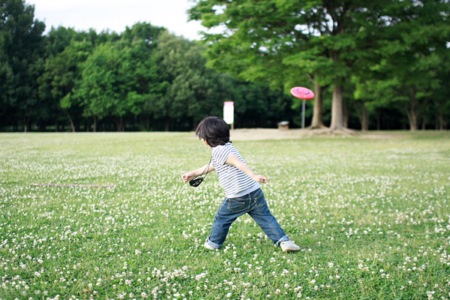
(235, 182)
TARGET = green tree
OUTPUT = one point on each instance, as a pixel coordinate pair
(408, 68)
(194, 91)
(21, 50)
(62, 75)
(420, 33)
(441, 111)
(66, 52)
(120, 76)
(100, 90)
(62, 70)
(140, 69)
(281, 41)
(191, 90)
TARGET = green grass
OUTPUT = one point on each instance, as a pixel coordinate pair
(371, 214)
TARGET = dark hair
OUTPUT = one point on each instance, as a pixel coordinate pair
(214, 131)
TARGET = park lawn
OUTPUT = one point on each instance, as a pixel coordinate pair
(106, 216)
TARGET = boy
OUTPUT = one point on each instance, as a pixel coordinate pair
(242, 188)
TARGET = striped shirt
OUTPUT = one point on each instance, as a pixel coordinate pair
(235, 182)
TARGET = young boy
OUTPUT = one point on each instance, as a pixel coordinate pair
(242, 188)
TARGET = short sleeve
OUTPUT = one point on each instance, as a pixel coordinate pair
(220, 154)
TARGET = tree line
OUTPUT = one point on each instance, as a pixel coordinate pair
(380, 67)
(370, 57)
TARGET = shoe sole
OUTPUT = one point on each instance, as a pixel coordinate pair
(207, 247)
(292, 250)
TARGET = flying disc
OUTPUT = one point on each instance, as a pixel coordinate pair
(302, 93)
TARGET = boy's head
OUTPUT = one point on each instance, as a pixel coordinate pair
(214, 131)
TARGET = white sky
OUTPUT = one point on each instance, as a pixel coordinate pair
(115, 15)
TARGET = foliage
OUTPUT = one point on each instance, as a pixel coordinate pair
(408, 65)
(21, 51)
(373, 65)
(288, 39)
(332, 41)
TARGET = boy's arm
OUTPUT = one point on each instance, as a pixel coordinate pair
(234, 161)
(197, 172)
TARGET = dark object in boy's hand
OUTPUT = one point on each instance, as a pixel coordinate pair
(196, 181)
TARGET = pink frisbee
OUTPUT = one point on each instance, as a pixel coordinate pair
(302, 93)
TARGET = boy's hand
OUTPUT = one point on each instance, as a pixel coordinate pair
(188, 176)
(260, 178)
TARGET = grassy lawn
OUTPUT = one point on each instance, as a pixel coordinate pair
(371, 214)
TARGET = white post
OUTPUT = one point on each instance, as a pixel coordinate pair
(228, 113)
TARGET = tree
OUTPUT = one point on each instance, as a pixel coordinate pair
(65, 54)
(21, 50)
(66, 51)
(100, 89)
(281, 40)
(140, 69)
(120, 76)
(421, 31)
(412, 54)
(190, 90)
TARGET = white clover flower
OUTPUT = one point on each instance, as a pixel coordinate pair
(200, 276)
(155, 291)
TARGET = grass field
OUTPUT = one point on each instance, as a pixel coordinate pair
(371, 214)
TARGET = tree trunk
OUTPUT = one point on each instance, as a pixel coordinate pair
(317, 121)
(378, 120)
(424, 123)
(25, 124)
(345, 114)
(337, 116)
(412, 114)
(119, 124)
(95, 124)
(442, 125)
(166, 125)
(364, 118)
(72, 126)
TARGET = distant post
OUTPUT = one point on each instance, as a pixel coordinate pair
(303, 113)
(228, 113)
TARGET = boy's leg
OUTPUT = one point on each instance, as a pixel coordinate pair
(228, 212)
(260, 212)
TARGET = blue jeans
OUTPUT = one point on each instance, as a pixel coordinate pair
(253, 204)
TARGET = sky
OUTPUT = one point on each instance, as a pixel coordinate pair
(116, 15)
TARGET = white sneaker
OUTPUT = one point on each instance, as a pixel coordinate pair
(208, 246)
(289, 246)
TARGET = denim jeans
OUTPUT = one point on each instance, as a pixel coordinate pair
(255, 205)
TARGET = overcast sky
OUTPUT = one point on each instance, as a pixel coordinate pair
(115, 15)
